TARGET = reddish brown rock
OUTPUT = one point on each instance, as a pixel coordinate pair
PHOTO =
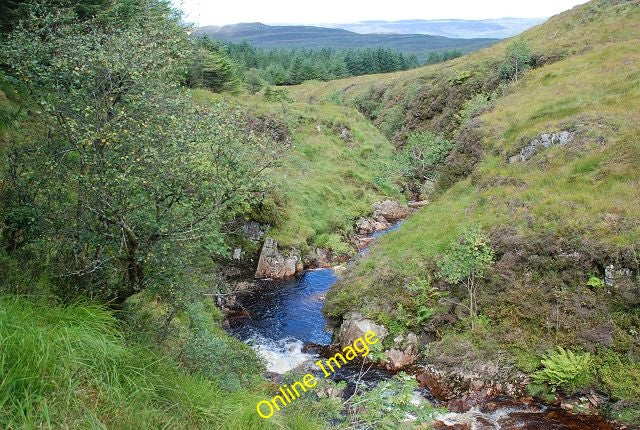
(363, 242)
(439, 425)
(397, 359)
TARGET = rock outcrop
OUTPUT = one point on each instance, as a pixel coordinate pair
(365, 226)
(612, 275)
(621, 282)
(562, 138)
(355, 325)
(418, 204)
(456, 384)
(389, 211)
(318, 258)
(385, 213)
(404, 352)
(276, 265)
(253, 230)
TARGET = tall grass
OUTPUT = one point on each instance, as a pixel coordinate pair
(70, 367)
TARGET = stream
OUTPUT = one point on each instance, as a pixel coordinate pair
(282, 317)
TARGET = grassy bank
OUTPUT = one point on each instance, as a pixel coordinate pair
(338, 164)
(555, 221)
(75, 367)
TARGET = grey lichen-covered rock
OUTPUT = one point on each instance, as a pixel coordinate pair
(611, 274)
(275, 265)
(389, 210)
(253, 230)
(354, 325)
(623, 284)
(318, 258)
(449, 384)
(547, 140)
(365, 226)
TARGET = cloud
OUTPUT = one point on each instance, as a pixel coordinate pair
(203, 12)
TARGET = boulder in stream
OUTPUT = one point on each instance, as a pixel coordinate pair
(355, 325)
(389, 210)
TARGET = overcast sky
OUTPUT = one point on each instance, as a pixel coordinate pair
(215, 12)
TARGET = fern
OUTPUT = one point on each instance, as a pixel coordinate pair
(564, 369)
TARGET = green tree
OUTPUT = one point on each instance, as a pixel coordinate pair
(11, 11)
(422, 154)
(134, 182)
(211, 68)
(338, 69)
(296, 70)
(517, 59)
(466, 261)
(276, 74)
(253, 81)
(213, 71)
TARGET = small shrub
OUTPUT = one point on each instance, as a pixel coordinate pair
(475, 106)
(460, 77)
(620, 376)
(276, 95)
(517, 60)
(421, 155)
(466, 262)
(564, 369)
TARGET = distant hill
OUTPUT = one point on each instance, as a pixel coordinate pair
(267, 36)
(456, 28)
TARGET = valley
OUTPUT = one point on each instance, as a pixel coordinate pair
(184, 236)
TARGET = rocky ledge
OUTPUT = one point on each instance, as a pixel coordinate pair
(276, 263)
(547, 140)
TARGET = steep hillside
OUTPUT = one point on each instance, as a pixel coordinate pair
(267, 36)
(337, 166)
(547, 168)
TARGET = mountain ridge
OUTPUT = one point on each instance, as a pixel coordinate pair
(310, 37)
(450, 27)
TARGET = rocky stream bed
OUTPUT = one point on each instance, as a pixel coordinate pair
(281, 318)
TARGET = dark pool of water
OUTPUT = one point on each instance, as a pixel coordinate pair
(287, 309)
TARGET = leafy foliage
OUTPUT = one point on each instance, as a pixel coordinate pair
(424, 301)
(334, 242)
(517, 59)
(387, 405)
(422, 154)
(565, 369)
(466, 261)
(596, 282)
(122, 147)
(212, 69)
(276, 95)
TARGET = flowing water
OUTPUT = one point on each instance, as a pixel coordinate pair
(280, 318)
